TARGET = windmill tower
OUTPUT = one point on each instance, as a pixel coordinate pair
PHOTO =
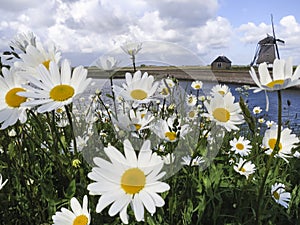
(267, 49)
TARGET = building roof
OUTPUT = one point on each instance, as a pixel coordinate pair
(222, 59)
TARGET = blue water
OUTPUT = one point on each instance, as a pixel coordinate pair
(290, 104)
(290, 112)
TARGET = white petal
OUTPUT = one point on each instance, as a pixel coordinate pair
(124, 215)
(119, 204)
(75, 206)
(158, 200)
(264, 74)
(138, 208)
(107, 199)
(147, 201)
(278, 69)
(129, 153)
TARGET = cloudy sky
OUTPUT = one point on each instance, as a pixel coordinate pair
(87, 29)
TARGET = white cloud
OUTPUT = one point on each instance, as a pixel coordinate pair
(215, 34)
(290, 31)
(253, 33)
(98, 26)
(87, 26)
(185, 13)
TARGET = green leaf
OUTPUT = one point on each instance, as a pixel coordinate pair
(250, 120)
(70, 192)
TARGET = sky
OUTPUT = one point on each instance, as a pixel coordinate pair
(181, 32)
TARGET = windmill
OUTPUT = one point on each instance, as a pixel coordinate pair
(267, 48)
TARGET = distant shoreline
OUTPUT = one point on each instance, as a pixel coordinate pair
(233, 76)
(240, 76)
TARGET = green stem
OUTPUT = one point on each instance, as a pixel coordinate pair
(72, 129)
(269, 163)
(133, 62)
(113, 94)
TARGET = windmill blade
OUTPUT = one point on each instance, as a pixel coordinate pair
(275, 40)
(281, 41)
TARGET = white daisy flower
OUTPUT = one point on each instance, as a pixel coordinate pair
(168, 158)
(261, 120)
(287, 142)
(191, 100)
(107, 63)
(192, 114)
(35, 56)
(132, 48)
(134, 121)
(12, 133)
(282, 76)
(240, 146)
(186, 160)
(78, 216)
(197, 85)
(138, 88)
(55, 88)
(244, 167)
(224, 111)
(81, 143)
(165, 87)
(279, 194)
(296, 154)
(169, 82)
(166, 130)
(220, 90)
(128, 180)
(22, 40)
(2, 183)
(270, 123)
(11, 109)
(256, 110)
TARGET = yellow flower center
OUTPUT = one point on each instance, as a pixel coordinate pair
(138, 94)
(197, 86)
(133, 181)
(272, 143)
(170, 135)
(14, 100)
(137, 126)
(221, 114)
(221, 92)
(243, 169)
(47, 64)
(62, 92)
(275, 82)
(81, 220)
(190, 99)
(164, 91)
(276, 195)
(192, 114)
(239, 146)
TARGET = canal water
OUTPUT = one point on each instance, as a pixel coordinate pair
(290, 100)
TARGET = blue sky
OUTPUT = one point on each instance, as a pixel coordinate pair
(86, 29)
(257, 11)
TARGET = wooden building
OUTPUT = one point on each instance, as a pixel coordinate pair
(221, 63)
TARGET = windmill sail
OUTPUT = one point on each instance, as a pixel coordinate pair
(267, 49)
